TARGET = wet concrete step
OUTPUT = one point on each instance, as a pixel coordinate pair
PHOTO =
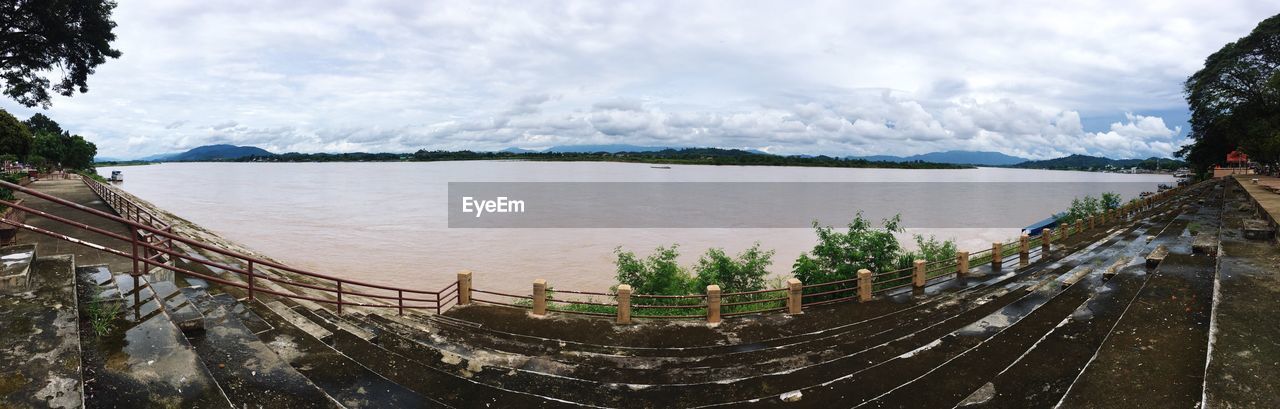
(135, 356)
(1042, 375)
(248, 371)
(39, 344)
(341, 376)
(1242, 364)
(443, 387)
(298, 321)
(176, 304)
(447, 377)
(1155, 357)
(874, 377)
(15, 266)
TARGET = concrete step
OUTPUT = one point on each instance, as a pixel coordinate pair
(344, 377)
(140, 357)
(298, 321)
(1242, 358)
(15, 266)
(416, 371)
(176, 304)
(39, 343)
(1155, 356)
(247, 370)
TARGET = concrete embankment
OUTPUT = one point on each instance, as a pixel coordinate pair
(1088, 323)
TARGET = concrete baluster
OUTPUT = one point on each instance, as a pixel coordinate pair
(962, 263)
(464, 287)
(795, 295)
(1024, 247)
(624, 304)
(918, 278)
(539, 297)
(864, 285)
(1046, 240)
(713, 304)
(997, 255)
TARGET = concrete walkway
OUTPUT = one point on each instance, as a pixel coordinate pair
(74, 190)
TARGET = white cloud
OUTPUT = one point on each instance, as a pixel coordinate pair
(829, 77)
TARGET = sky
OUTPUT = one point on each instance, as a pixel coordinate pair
(1037, 79)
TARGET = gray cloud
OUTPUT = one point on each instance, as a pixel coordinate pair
(825, 77)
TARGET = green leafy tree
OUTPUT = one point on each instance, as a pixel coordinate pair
(15, 138)
(41, 123)
(1110, 201)
(839, 255)
(657, 274)
(745, 273)
(39, 37)
(1235, 100)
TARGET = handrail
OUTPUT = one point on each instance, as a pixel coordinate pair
(151, 239)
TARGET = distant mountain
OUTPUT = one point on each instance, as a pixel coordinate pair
(214, 152)
(98, 159)
(612, 148)
(1086, 162)
(517, 150)
(953, 157)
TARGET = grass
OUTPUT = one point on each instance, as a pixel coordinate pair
(102, 315)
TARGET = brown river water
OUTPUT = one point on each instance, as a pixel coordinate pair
(388, 222)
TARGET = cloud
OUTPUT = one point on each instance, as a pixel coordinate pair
(814, 78)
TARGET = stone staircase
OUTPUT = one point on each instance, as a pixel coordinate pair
(1089, 324)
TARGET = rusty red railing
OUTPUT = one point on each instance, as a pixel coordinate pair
(152, 245)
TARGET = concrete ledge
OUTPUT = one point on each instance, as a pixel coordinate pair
(1205, 244)
(297, 320)
(1157, 256)
(16, 268)
(1257, 230)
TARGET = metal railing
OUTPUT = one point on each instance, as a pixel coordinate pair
(152, 244)
(153, 241)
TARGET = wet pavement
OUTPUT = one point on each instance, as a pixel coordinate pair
(1244, 360)
(39, 348)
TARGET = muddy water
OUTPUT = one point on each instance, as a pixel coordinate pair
(388, 222)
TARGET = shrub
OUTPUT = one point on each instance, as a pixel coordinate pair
(658, 274)
(746, 273)
(839, 256)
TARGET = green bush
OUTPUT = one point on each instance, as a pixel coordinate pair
(745, 273)
(839, 256)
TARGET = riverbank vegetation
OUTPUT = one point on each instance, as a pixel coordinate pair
(687, 156)
(1089, 206)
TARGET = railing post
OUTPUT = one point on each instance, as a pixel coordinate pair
(795, 295)
(1046, 239)
(464, 287)
(250, 280)
(962, 263)
(133, 234)
(624, 304)
(1080, 226)
(997, 255)
(400, 299)
(1093, 222)
(339, 298)
(1024, 247)
(539, 297)
(918, 278)
(864, 285)
(713, 304)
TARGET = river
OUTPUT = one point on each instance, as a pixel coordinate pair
(388, 222)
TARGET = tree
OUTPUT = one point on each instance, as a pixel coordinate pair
(15, 138)
(839, 256)
(746, 273)
(37, 37)
(1235, 100)
(40, 123)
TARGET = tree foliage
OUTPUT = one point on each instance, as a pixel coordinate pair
(1235, 100)
(839, 255)
(41, 123)
(744, 273)
(15, 138)
(38, 37)
(661, 274)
